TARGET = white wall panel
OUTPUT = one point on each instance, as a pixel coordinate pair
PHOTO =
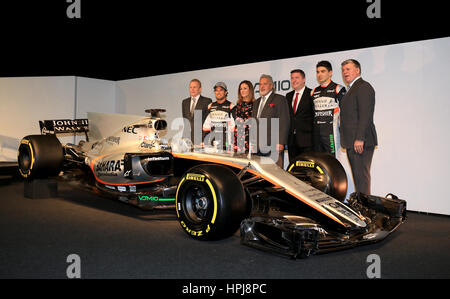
(93, 95)
(25, 101)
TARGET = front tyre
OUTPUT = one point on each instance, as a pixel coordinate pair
(210, 202)
(322, 171)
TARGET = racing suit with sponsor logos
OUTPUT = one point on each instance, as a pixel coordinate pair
(218, 127)
(326, 116)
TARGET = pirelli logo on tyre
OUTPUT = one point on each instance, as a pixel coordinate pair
(195, 177)
(305, 164)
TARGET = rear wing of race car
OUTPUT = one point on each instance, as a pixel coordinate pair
(64, 126)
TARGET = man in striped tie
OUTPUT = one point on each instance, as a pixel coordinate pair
(301, 108)
(194, 110)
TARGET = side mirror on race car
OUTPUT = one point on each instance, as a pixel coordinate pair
(156, 124)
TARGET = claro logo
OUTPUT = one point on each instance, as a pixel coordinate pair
(283, 85)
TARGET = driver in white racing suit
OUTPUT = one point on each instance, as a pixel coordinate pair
(218, 127)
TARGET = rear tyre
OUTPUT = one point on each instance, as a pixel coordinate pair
(210, 202)
(323, 172)
(40, 156)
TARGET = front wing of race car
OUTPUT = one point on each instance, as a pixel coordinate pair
(299, 237)
(293, 218)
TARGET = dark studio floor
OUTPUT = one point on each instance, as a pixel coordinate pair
(115, 240)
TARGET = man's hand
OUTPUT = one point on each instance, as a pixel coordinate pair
(358, 146)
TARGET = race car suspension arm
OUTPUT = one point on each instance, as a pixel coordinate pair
(71, 153)
(243, 171)
(253, 180)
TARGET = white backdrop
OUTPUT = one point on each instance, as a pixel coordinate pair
(26, 100)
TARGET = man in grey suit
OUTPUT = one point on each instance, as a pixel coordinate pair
(194, 110)
(271, 107)
(357, 130)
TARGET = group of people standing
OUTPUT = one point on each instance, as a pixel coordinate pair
(304, 120)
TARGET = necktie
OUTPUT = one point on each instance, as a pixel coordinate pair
(295, 102)
(192, 105)
(261, 106)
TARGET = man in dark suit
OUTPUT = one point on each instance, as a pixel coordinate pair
(301, 110)
(194, 111)
(357, 130)
(271, 107)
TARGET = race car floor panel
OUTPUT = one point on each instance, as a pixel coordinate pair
(116, 240)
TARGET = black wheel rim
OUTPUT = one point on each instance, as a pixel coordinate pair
(197, 203)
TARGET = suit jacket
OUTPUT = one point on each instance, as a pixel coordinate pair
(202, 106)
(275, 107)
(302, 121)
(357, 108)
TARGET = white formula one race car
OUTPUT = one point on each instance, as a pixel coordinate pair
(298, 212)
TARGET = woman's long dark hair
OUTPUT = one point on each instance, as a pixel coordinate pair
(251, 89)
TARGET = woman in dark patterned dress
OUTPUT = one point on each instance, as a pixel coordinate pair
(241, 112)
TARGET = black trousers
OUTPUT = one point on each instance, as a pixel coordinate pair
(325, 144)
(294, 149)
(360, 165)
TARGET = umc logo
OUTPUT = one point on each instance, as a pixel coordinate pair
(283, 85)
